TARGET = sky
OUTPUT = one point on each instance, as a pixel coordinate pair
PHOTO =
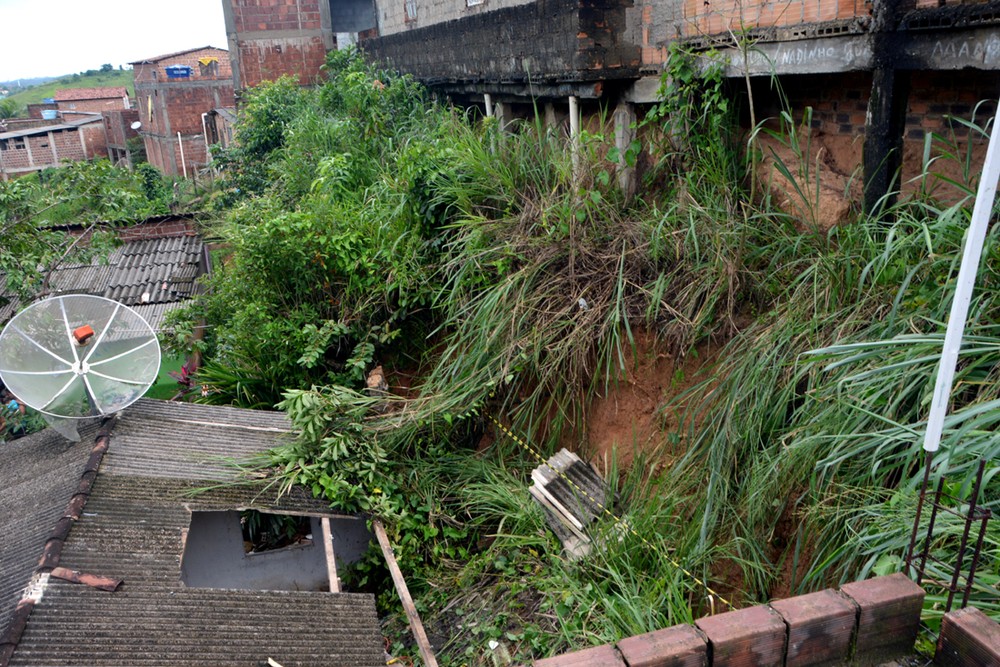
(56, 37)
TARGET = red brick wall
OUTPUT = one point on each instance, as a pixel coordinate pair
(840, 101)
(159, 229)
(155, 72)
(270, 59)
(258, 15)
(704, 18)
(96, 140)
(118, 126)
(266, 58)
(92, 106)
(68, 145)
(65, 144)
(16, 158)
(35, 110)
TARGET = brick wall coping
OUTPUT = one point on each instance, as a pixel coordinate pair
(876, 619)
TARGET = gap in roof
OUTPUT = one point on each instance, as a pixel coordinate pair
(216, 555)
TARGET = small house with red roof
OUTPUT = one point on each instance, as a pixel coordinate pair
(74, 103)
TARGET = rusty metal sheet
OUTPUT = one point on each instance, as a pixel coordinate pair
(92, 580)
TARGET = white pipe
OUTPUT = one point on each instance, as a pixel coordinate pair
(574, 134)
(183, 163)
(963, 291)
(489, 105)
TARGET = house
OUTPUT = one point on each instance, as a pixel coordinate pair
(268, 41)
(153, 271)
(118, 550)
(75, 102)
(120, 126)
(174, 92)
(38, 145)
(880, 77)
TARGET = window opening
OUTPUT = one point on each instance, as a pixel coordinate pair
(411, 10)
(208, 66)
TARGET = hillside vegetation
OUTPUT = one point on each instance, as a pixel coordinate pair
(93, 79)
(496, 280)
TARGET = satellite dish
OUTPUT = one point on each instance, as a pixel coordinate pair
(136, 125)
(78, 356)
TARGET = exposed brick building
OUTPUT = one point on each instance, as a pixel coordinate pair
(74, 103)
(118, 126)
(272, 38)
(173, 93)
(880, 75)
(36, 148)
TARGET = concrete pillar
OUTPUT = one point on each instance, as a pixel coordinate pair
(503, 114)
(488, 99)
(55, 149)
(31, 157)
(550, 115)
(624, 136)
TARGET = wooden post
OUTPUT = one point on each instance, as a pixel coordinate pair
(886, 119)
(404, 595)
(331, 561)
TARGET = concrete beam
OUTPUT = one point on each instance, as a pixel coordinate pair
(521, 92)
(821, 55)
(181, 84)
(253, 35)
(975, 48)
(967, 49)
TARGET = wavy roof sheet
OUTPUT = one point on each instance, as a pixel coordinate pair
(133, 528)
(141, 273)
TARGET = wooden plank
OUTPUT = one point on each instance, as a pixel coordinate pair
(331, 561)
(404, 595)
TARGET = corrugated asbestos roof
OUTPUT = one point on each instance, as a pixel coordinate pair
(55, 127)
(137, 273)
(40, 473)
(133, 528)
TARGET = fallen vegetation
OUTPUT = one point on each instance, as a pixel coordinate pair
(369, 226)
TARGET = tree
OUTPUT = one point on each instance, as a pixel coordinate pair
(9, 108)
(107, 67)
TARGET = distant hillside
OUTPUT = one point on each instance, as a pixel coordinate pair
(36, 94)
(26, 83)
